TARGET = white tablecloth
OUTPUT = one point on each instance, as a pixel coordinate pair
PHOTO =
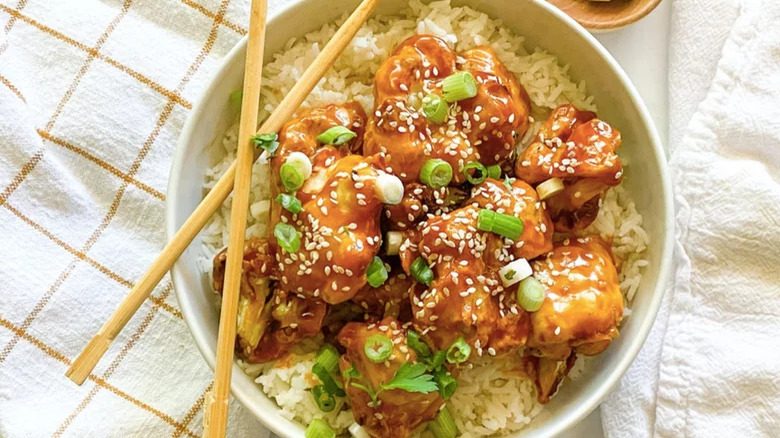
(711, 366)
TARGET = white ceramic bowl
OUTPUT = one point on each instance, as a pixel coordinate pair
(542, 25)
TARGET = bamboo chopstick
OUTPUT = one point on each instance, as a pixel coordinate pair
(215, 425)
(97, 347)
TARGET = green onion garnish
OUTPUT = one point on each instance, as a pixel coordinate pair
(357, 431)
(502, 224)
(438, 359)
(328, 382)
(417, 345)
(459, 351)
(421, 272)
(324, 401)
(328, 357)
(390, 189)
(292, 178)
(268, 142)
(376, 274)
(436, 173)
(446, 383)
(393, 241)
(287, 237)
(530, 294)
(300, 161)
(443, 426)
(435, 108)
(336, 135)
(290, 203)
(479, 174)
(378, 348)
(458, 86)
(494, 171)
(318, 428)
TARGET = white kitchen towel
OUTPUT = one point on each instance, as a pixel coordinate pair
(93, 95)
(711, 367)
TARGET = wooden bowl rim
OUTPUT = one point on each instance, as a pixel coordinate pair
(645, 9)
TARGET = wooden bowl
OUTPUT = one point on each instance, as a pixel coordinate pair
(606, 15)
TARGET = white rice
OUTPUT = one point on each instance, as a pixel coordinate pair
(484, 404)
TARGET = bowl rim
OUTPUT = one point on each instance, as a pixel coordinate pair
(615, 24)
(567, 418)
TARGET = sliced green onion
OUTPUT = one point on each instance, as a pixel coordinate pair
(393, 241)
(336, 135)
(435, 108)
(486, 219)
(494, 171)
(268, 142)
(502, 224)
(290, 203)
(328, 382)
(479, 174)
(515, 271)
(436, 173)
(459, 351)
(443, 426)
(318, 428)
(378, 348)
(328, 357)
(301, 162)
(324, 401)
(292, 178)
(508, 226)
(446, 383)
(376, 274)
(421, 272)
(287, 237)
(438, 359)
(549, 188)
(530, 294)
(357, 431)
(389, 189)
(417, 345)
(458, 86)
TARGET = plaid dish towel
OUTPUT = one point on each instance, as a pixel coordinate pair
(93, 95)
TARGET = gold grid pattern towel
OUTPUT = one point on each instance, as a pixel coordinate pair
(93, 95)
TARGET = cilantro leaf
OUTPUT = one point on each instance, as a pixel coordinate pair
(267, 142)
(412, 378)
(508, 182)
(351, 373)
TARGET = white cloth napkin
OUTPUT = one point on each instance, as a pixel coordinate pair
(93, 95)
(711, 367)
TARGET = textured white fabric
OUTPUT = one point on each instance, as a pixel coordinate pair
(93, 95)
(711, 367)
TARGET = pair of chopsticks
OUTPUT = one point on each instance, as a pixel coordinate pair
(237, 177)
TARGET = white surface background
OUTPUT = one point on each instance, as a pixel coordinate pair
(642, 50)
